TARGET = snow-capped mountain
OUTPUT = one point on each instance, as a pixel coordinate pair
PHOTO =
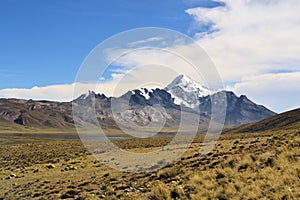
(187, 91)
(182, 94)
(141, 106)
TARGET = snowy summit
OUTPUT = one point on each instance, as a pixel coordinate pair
(186, 91)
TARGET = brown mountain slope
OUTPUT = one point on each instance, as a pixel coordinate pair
(39, 114)
(286, 120)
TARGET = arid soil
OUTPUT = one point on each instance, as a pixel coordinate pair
(262, 165)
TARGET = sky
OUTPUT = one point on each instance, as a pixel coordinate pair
(254, 44)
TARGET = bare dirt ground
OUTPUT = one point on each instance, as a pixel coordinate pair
(262, 165)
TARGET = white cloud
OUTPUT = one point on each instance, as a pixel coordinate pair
(257, 39)
(162, 65)
(252, 36)
(117, 75)
(279, 92)
(64, 92)
(119, 85)
(53, 92)
(139, 42)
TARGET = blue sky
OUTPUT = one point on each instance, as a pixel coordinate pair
(254, 44)
(44, 42)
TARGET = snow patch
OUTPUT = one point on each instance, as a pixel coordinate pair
(145, 93)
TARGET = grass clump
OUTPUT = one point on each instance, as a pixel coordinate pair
(159, 192)
(169, 173)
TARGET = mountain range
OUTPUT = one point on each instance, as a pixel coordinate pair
(141, 107)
